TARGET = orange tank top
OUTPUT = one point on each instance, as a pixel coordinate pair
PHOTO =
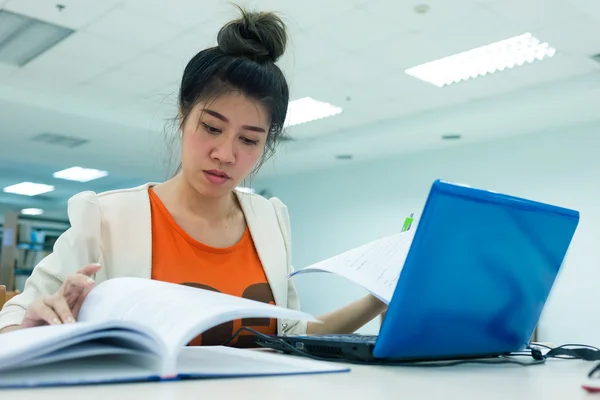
(235, 270)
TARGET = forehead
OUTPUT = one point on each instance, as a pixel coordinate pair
(238, 109)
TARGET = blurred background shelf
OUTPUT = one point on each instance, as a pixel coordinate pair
(25, 242)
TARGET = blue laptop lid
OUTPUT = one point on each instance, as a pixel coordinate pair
(477, 276)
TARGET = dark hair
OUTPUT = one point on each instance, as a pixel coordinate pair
(243, 61)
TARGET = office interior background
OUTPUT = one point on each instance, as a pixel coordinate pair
(93, 84)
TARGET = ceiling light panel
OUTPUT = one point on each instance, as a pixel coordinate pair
(32, 211)
(482, 61)
(80, 174)
(307, 109)
(28, 188)
(22, 38)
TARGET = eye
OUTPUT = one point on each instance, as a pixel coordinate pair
(249, 142)
(211, 129)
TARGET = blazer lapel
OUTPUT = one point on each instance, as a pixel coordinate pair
(268, 241)
(129, 237)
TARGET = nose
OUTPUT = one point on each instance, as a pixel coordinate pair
(224, 151)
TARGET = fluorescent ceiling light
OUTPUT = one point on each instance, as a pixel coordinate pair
(32, 211)
(23, 38)
(29, 188)
(80, 174)
(307, 110)
(482, 61)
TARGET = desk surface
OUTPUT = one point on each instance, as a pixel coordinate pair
(556, 379)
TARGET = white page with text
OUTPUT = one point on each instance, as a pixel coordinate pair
(376, 266)
(176, 313)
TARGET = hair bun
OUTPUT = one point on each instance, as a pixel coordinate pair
(260, 36)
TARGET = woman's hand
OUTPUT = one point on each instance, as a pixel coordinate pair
(63, 306)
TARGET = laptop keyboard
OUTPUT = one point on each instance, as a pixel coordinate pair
(356, 338)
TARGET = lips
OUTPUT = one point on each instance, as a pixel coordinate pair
(216, 172)
(216, 177)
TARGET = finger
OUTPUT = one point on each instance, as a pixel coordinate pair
(42, 312)
(60, 307)
(90, 269)
(74, 285)
(78, 303)
(71, 292)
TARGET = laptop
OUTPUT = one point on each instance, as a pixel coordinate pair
(479, 271)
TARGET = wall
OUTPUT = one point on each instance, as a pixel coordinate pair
(337, 209)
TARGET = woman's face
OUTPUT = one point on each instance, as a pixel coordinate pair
(222, 142)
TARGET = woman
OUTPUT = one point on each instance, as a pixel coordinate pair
(196, 228)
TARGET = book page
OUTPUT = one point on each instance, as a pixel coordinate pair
(221, 362)
(176, 313)
(376, 266)
(27, 355)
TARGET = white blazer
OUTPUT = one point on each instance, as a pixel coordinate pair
(115, 229)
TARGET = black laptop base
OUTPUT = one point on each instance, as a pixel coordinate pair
(359, 351)
(355, 349)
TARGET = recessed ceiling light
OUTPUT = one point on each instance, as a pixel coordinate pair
(23, 38)
(481, 61)
(451, 136)
(32, 211)
(307, 109)
(344, 156)
(28, 188)
(80, 174)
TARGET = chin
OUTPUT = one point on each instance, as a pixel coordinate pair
(209, 190)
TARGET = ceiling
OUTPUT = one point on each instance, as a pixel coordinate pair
(113, 82)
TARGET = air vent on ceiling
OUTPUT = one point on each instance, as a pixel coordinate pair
(596, 57)
(23, 38)
(55, 139)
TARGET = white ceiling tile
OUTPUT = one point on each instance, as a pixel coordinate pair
(75, 15)
(99, 96)
(127, 26)
(133, 81)
(589, 7)
(534, 14)
(54, 71)
(102, 50)
(404, 51)
(580, 35)
(359, 67)
(355, 30)
(318, 84)
(308, 49)
(7, 70)
(186, 46)
(185, 13)
(402, 13)
(480, 27)
(561, 66)
(38, 83)
(487, 2)
(300, 15)
(162, 68)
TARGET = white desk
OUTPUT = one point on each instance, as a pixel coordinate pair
(557, 379)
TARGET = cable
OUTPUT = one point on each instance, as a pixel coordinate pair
(569, 351)
(594, 370)
(504, 359)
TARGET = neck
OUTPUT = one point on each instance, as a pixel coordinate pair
(212, 209)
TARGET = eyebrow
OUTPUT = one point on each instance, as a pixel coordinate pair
(224, 119)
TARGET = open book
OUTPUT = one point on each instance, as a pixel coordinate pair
(375, 266)
(133, 329)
